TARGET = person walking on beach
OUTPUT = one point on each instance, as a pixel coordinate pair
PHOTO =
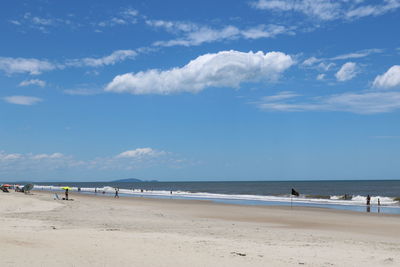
(368, 200)
(116, 193)
(66, 194)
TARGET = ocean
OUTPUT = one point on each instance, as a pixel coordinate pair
(324, 194)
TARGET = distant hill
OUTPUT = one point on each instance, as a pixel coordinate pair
(131, 180)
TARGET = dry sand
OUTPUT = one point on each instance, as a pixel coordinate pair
(36, 230)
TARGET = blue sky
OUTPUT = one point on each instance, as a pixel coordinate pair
(199, 90)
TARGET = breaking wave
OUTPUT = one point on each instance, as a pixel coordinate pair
(326, 200)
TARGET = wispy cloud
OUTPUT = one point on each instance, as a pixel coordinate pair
(41, 23)
(358, 54)
(329, 10)
(383, 7)
(22, 162)
(223, 69)
(36, 82)
(321, 9)
(127, 16)
(346, 71)
(128, 160)
(22, 100)
(367, 102)
(191, 34)
(280, 96)
(35, 66)
(47, 23)
(83, 91)
(314, 61)
(113, 58)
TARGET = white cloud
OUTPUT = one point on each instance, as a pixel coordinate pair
(325, 66)
(33, 82)
(328, 10)
(22, 100)
(7, 157)
(321, 77)
(134, 159)
(42, 21)
(25, 65)
(130, 12)
(361, 103)
(222, 69)
(391, 78)
(347, 72)
(114, 57)
(140, 153)
(47, 156)
(173, 26)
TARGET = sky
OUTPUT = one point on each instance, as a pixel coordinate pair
(199, 90)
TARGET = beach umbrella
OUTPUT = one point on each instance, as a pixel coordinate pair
(6, 185)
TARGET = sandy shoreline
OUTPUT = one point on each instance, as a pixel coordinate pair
(102, 231)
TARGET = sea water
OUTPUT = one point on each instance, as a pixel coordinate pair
(324, 194)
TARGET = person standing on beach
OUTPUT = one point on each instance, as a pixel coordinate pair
(66, 194)
(116, 193)
(368, 200)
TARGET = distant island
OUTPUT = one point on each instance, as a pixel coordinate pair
(131, 180)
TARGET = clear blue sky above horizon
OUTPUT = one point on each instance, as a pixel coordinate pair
(199, 90)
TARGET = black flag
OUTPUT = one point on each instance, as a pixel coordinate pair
(295, 193)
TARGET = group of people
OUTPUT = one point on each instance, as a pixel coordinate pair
(369, 204)
(369, 201)
(116, 192)
(116, 195)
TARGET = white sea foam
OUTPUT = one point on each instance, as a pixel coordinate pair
(334, 200)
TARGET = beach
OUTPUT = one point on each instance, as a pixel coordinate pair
(36, 230)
